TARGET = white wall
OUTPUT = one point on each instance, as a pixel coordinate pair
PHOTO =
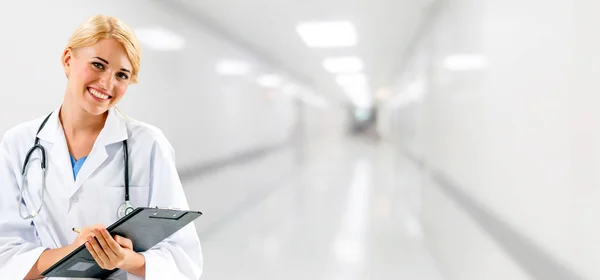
(204, 115)
(584, 227)
(519, 135)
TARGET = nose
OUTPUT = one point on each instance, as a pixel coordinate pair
(106, 80)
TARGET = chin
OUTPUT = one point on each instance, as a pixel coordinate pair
(95, 110)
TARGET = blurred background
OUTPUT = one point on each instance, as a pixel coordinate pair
(381, 139)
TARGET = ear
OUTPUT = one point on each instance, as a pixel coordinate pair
(66, 61)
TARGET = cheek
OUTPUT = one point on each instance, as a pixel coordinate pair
(120, 90)
(83, 75)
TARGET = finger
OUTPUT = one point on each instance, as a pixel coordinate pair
(125, 242)
(94, 254)
(87, 233)
(93, 227)
(110, 242)
(105, 244)
(97, 226)
(99, 251)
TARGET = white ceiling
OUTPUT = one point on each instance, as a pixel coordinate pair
(385, 28)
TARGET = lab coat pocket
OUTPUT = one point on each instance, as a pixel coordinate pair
(113, 196)
(138, 195)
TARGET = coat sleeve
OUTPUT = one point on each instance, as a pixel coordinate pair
(180, 255)
(19, 246)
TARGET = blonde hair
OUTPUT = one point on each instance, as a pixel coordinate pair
(98, 27)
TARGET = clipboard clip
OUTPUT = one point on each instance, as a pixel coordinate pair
(167, 213)
(168, 208)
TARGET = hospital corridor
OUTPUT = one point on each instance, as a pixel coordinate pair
(320, 139)
(348, 213)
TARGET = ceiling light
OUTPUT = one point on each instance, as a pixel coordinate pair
(232, 67)
(343, 64)
(269, 81)
(160, 39)
(348, 80)
(328, 34)
(464, 62)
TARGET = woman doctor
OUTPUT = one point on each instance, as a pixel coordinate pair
(85, 141)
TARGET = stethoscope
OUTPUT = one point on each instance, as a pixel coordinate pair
(123, 210)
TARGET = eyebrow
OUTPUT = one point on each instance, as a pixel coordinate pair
(105, 61)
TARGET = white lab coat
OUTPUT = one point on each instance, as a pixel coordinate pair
(93, 197)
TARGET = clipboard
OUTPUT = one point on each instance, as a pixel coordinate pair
(145, 227)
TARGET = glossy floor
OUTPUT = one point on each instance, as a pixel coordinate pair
(348, 211)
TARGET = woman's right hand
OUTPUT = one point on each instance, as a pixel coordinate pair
(51, 256)
(84, 234)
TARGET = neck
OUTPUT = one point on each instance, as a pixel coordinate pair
(76, 120)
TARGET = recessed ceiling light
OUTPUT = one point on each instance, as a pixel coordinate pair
(160, 39)
(327, 34)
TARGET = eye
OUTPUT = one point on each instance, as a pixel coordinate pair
(98, 65)
(122, 76)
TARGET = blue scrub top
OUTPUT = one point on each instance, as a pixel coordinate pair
(77, 165)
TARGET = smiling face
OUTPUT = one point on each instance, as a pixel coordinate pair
(98, 75)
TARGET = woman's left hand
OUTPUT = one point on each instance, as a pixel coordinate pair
(112, 253)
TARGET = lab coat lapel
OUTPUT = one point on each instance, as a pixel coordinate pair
(96, 157)
(58, 154)
(59, 176)
(114, 131)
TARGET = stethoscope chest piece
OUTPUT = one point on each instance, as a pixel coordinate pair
(125, 209)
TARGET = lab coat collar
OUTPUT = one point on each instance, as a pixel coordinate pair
(114, 131)
(48, 133)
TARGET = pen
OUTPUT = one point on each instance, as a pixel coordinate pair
(77, 230)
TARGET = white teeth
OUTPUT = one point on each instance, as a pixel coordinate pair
(98, 94)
